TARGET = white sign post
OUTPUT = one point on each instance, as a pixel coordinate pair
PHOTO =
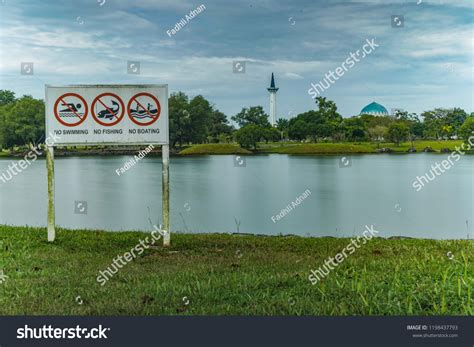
(96, 115)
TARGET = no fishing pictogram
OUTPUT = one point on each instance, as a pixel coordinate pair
(107, 109)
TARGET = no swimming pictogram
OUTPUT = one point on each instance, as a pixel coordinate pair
(144, 109)
(70, 109)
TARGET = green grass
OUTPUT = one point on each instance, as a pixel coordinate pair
(318, 148)
(223, 274)
(214, 148)
(300, 148)
(420, 145)
(351, 147)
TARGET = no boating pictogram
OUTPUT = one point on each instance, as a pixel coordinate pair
(107, 109)
(70, 109)
(144, 109)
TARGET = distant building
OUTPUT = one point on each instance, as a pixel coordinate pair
(374, 109)
(273, 90)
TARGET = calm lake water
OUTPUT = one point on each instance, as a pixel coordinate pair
(210, 194)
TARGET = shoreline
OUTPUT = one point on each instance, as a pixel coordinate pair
(236, 234)
(306, 149)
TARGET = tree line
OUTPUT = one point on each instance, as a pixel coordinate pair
(196, 120)
(326, 124)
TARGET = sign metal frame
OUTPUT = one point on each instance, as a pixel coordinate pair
(164, 152)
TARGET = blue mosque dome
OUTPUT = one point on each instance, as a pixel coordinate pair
(374, 109)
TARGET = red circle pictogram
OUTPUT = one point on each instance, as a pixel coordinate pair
(142, 112)
(70, 110)
(108, 112)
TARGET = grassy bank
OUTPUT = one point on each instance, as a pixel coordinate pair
(214, 148)
(223, 274)
(351, 147)
(275, 147)
(320, 148)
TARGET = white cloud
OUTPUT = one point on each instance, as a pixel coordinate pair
(156, 4)
(455, 41)
(293, 76)
(410, 61)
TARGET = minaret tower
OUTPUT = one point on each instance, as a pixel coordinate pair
(273, 106)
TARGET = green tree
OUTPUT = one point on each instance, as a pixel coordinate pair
(339, 133)
(298, 130)
(271, 134)
(398, 132)
(327, 118)
(324, 122)
(6, 97)
(200, 111)
(467, 129)
(249, 135)
(355, 128)
(22, 122)
(455, 118)
(443, 123)
(304, 125)
(377, 133)
(317, 126)
(447, 131)
(223, 138)
(254, 115)
(219, 125)
(195, 121)
(384, 121)
(6, 138)
(327, 109)
(417, 129)
(282, 124)
(179, 119)
(433, 121)
(402, 115)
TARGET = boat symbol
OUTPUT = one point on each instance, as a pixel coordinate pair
(140, 113)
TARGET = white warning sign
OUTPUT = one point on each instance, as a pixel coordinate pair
(108, 114)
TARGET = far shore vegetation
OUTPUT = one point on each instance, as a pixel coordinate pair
(326, 148)
(198, 127)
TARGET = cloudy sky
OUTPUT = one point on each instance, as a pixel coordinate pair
(426, 63)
